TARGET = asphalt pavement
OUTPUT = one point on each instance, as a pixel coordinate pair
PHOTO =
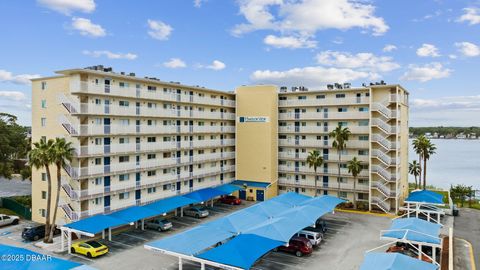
(467, 227)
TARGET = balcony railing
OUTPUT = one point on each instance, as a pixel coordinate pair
(323, 115)
(321, 129)
(321, 143)
(326, 101)
(330, 171)
(329, 157)
(321, 185)
(159, 94)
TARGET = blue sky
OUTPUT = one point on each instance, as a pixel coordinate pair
(431, 47)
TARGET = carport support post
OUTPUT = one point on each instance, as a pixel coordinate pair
(202, 266)
(419, 251)
(109, 234)
(103, 234)
(143, 224)
(69, 241)
(181, 211)
(434, 254)
(180, 265)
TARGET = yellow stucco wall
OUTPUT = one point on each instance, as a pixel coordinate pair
(257, 142)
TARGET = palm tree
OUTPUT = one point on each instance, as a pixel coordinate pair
(428, 149)
(62, 152)
(41, 156)
(340, 137)
(415, 170)
(417, 147)
(355, 168)
(315, 160)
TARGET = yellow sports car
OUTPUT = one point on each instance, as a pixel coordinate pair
(90, 249)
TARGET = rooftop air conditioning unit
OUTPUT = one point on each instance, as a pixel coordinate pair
(109, 69)
(131, 74)
(330, 86)
(347, 85)
(122, 73)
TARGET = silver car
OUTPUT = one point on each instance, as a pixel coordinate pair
(196, 212)
(159, 224)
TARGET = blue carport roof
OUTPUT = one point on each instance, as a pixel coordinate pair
(204, 194)
(326, 201)
(250, 183)
(169, 204)
(52, 263)
(425, 196)
(414, 229)
(134, 213)
(95, 224)
(242, 251)
(394, 261)
(228, 188)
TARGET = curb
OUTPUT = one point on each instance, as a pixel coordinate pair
(366, 213)
(472, 258)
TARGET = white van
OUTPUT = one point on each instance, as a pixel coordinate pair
(314, 237)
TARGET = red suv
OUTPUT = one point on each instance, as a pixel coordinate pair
(298, 245)
(230, 200)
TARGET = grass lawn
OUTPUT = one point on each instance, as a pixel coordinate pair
(7, 212)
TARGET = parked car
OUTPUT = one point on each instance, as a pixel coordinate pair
(7, 220)
(321, 224)
(197, 212)
(90, 249)
(232, 200)
(297, 245)
(314, 237)
(159, 224)
(33, 233)
(403, 249)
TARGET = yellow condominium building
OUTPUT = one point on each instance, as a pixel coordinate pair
(138, 140)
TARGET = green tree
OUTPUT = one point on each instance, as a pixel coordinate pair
(414, 169)
(13, 143)
(355, 168)
(41, 156)
(340, 137)
(417, 147)
(62, 153)
(315, 160)
(428, 149)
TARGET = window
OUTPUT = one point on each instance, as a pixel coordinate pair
(123, 84)
(151, 156)
(98, 101)
(363, 196)
(151, 105)
(320, 96)
(122, 159)
(302, 97)
(124, 122)
(363, 182)
(44, 103)
(343, 124)
(167, 155)
(42, 212)
(151, 122)
(363, 152)
(363, 138)
(363, 123)
(98, 121)
(98, 181)
(98, 161)
(98, 141)
(123, 103)
(363, 109)
(342, 109)
(124, 195)
(44, 195)
(44, 85)
(151, 173)
(167, 186)
(124, 140)
(44, 177)
(342, 194)
(151, 190)
(151, 139)
(98, 201)
(124, 177)
(340, 95)
(151, 88)
(43, 121)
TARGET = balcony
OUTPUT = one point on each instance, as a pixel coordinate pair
(320, 171)
(321, 129)
(323, 102)
(321, 185)
(323, 115)
(357, 144)
(329, 158)
(159, 94)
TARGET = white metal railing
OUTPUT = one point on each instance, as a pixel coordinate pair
(381, 203)
(385, 174)
(332, 171)
(100, 129)
(323, 115)
(160, 94)
(330, 157)
(321, 129)
(325, 101)
(389, 145)
(385, 158)
(384, 189)
(330, 185)
(384, 126)
(321, 143)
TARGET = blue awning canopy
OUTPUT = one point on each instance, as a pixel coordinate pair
(394, 261)
(425, 196)
(134, 213)
(329, 202)
(291, 198)
(240, 252)
(169, 204)
(254, 184)
(414, 229)
(41, 262)
(95, 224)
(205, 194)
(228, 188)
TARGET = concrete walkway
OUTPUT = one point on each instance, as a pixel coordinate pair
(467, 226)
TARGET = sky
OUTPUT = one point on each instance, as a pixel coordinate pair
(430, 47)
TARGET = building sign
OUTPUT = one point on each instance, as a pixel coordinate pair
(253, 119)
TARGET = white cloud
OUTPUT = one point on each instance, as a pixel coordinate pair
(315, 76)
(7, 76)
(307, 17)
(426, 72)
(471, 16)
(68, 6)
(452, 56)
(216, 65)
(175, 63)
(159, 30)
(198, 3)
(290, 42)
(389, 48)
(428, 50)
(12, 95)
(468, 49)
(87, 28)
(362, 61)
(111, 55)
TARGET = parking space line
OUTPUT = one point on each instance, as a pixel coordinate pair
(116, 242)
(280, 263)
(82, 257)
(183, 223)
(134, 236)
